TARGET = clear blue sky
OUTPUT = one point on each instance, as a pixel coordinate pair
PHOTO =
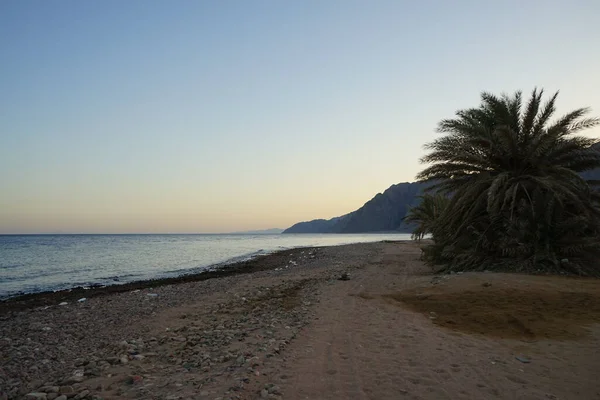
(213, 116)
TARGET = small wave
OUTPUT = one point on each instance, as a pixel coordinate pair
(11, 266)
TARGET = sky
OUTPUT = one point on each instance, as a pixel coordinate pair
(189, 116)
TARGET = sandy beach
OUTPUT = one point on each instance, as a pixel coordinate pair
(290, 328)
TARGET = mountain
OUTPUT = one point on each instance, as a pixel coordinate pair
(318, 225)
(384, 212)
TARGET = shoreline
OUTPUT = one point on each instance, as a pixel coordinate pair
(262, 262)
(267, 331)
(259, 262)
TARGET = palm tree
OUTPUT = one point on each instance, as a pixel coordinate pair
(513, 177)
(425, 214)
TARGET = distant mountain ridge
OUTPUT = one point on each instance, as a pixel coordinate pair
(383, 213)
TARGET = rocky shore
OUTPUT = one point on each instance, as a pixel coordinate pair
(360, 321)
(196, 338)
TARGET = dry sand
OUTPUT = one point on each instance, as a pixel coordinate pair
(393, 330)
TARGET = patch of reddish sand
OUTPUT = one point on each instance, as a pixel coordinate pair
(384, 335)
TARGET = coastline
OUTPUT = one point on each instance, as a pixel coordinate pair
(260, 262)
(35, 266)
(365, 320)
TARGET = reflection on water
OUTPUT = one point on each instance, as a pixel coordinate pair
(32, 263)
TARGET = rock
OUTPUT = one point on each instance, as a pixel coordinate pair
(344, 277)
(274, 390)
(135, 379)
(81, 300)
(112, 360)
(66, 390)
(523, 359)
(486, 284)
(49, 389)
(64, 303)
(264, 394)
(36, 396)
(51, 396)
(73, 379)
(124, 360)
(82, 395)
(61, 397)
(78, 374)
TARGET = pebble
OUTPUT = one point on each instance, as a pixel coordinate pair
(344, 277)
(50, 389)
(274, 390)
(73, 379)
(36, 395)
(212, 346)
(66, 390)
(82, 395)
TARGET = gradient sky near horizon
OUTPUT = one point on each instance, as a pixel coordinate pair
(218, 116)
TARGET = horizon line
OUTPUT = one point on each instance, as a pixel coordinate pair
(258, 231)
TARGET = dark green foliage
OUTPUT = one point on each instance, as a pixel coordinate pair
(425, 214)
(517, 200)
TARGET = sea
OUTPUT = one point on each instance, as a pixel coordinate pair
(39, 263)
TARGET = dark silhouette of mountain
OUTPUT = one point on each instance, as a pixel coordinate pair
(317, 225)
(383, 213)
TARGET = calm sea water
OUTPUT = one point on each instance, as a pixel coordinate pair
(35, 263)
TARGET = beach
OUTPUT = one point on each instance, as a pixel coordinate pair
(358, 321)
